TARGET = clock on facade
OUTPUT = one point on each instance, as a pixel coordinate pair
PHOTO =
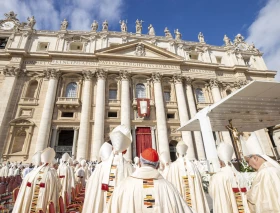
(8, 25)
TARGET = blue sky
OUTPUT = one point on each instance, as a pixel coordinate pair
(257, 20)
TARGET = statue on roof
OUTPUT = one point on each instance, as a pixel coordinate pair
(105, 26)
(178, 35)
(11, 16)
(123, 25)
(31, 22)
(138, 26)
(238, 39)
(227, 41)
(167, 33)
(94, 26)
(64, 25)
(201, 38)
(151, 30)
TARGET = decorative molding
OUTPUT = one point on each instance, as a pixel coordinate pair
(140, 50)
(124, 75)
(240, 83)
(11, 71)
(189, 80)
(52, 73)
(156, 77)
(177, 78)
(214, 83)
(87, 75)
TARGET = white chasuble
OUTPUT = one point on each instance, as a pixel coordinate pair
(65, 177)
(103, 181)
(38, 188)
(264, 195)
(186, 178)
(146, 191)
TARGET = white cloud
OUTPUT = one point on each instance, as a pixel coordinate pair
(265, 33)
(50, 13)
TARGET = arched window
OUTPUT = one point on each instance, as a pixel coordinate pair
(31, 90)
(71, 90)
(199, 95)
(113, 91)
(140, 91)
(167, 93)
(228, 92)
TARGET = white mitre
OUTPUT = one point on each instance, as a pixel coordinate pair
(225, 152)
(36, 158)
(47, 155)
(105, 151)
(181, 148)
(83, 163)
(121, 138)
(252, 147)
(136, 160)
(65, 157)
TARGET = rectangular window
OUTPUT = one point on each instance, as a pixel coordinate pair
(170, 115)
(43, 46)
(219, 59)
(3, 43)
(166, 96)
(112, 94)
(112, 114)
(67, 114)
(194, 56)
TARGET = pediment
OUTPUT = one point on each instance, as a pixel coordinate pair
(139, 49)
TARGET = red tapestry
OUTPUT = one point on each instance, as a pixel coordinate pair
(143, 139)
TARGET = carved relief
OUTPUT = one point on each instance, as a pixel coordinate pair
(52, 73)
(140, 50)
(12, 71)
(240, 83)
(214, 83)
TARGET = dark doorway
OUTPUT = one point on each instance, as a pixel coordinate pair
(65, 142)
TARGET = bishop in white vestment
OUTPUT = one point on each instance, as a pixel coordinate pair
(147, 191)
(264, 195)
(184, 175)
(227, 187)
(108, 174)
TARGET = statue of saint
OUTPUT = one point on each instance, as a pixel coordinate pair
(94, 26)
(227, 41)
(31, 22)
(123, 26)
(138, 26)
(238, 39)
(64, 25)
(151, 30)
(201, 38)
(178, 35)
(105, 25)
(167, 33)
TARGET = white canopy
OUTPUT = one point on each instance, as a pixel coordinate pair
(253, 107)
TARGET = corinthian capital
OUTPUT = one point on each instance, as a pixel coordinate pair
(124, 75)
(11, 71)
(52, 73)
(240, 83)
(177, 78)
(156, 77)
(189, 80)
(214, 83)
(101, 74)
(87, 75)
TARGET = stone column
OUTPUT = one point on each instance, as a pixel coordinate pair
(183, 114)
(75, 140)
(214, 85)
(46, 119)
(54, 137)
(83, 139)
(160, 114)
(154, 146)
(98, 137)
(192, 108)
(125, 106)
(7, 95)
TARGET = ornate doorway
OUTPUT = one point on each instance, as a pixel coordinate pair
(143, 139)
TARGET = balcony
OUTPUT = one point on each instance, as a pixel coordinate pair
(70, 103)
(202, 105)
(28, 101)
(113, 102)
(63, 149)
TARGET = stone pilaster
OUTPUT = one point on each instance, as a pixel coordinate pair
(183, 114)
(192, 109)
(52, 75)
(125, 105)
(160, 114)
(83, 139)
(98, 138)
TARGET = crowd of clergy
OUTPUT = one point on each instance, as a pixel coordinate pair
(151, 184)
